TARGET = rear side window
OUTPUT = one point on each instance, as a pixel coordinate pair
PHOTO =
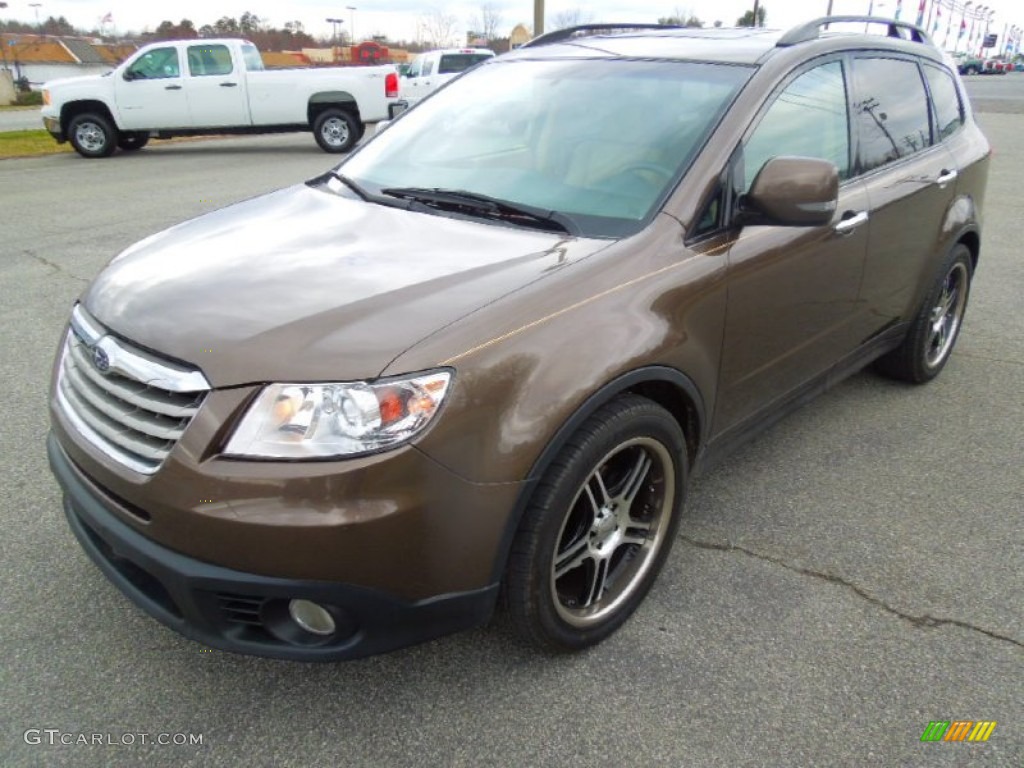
(206, 60)
(891, 111)
(459, 62)
(808, 119)
(946, 99)
(252, 58)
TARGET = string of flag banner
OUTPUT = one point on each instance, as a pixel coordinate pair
(970, 22)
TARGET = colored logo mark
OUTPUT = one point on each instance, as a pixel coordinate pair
(958, 730)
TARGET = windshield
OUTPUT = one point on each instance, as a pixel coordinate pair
(601, 141)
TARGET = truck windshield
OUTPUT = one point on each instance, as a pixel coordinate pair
(460, 62)
(603, 142)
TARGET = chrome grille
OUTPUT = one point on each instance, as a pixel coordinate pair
(130, 404)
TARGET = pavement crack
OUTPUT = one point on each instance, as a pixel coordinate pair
(918, 621)
(54, 266)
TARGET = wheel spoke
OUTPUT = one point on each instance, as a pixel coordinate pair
(949, 297)
(637, 532)
(597, 582)
(597, 491)
(637, 476)
(573, 557)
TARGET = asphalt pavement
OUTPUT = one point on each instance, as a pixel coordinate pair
(850, 576)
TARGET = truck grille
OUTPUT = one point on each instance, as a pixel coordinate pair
(128, 403)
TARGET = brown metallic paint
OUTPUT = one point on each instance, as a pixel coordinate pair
(532, 323)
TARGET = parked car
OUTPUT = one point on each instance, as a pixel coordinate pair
(969, 65)
(192, 87)
(486, 354)
(432, 69)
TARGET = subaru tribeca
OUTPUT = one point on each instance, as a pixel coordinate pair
(481, 359)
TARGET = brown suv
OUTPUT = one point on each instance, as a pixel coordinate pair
(485, 354)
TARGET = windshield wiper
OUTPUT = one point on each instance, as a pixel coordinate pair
(350, 183)
(476, 204)
(361, 192)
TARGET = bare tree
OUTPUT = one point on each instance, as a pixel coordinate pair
(572, 17)
(438, 27)
(487, 22)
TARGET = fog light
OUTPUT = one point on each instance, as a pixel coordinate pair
(311, 617)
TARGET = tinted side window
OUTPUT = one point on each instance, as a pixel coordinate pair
(946, 100)
(459, 62)
(891, 111)
(808, 119)
(205, 60)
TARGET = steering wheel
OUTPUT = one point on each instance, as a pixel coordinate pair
(649, 173)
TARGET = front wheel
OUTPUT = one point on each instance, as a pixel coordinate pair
(133, 140)
(599, 526)
(92, 135)
(336, 130)
(933, 332)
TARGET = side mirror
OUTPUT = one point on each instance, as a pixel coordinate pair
(793, 192)
(128, 75)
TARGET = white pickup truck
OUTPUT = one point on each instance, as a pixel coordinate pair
(192, 87)
(432, 69)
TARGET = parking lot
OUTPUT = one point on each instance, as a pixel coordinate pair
(851, 575)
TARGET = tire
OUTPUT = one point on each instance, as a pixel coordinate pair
(598, 528)
(92, 135)
(336, 130)
(933, 332)
(133, 140)
(971, 71)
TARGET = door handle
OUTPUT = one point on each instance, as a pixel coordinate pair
(945, 177)
(172, 87)
(228, 85)
(850, 222)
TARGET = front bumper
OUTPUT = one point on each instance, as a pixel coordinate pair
(52, 124)
(244, 612)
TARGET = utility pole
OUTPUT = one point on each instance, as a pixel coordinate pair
(334, 39)
(538, 17)
(756, 4)
(352, 27)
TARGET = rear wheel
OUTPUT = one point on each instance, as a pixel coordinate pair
(933, 333)
(599, 527)
(92, 135)
(133, 140)
(336, 130)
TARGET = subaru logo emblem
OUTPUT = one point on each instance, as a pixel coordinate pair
(100, 360)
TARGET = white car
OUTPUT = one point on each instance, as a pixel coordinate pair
(430, 70)
(191, 87)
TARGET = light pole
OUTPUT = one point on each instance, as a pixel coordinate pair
(36, 7)
(334, 38)
(352, 26)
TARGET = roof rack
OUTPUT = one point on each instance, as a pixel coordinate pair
(812, 29)
(560, 35)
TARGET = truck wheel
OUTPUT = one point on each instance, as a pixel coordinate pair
(335, 130)
(92, 135)
(133, 140)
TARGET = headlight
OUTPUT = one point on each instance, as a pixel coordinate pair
(303, 421)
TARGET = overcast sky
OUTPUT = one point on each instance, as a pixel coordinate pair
(398, 18)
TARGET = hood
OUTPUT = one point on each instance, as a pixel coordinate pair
(73, 82)
(308, 285)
